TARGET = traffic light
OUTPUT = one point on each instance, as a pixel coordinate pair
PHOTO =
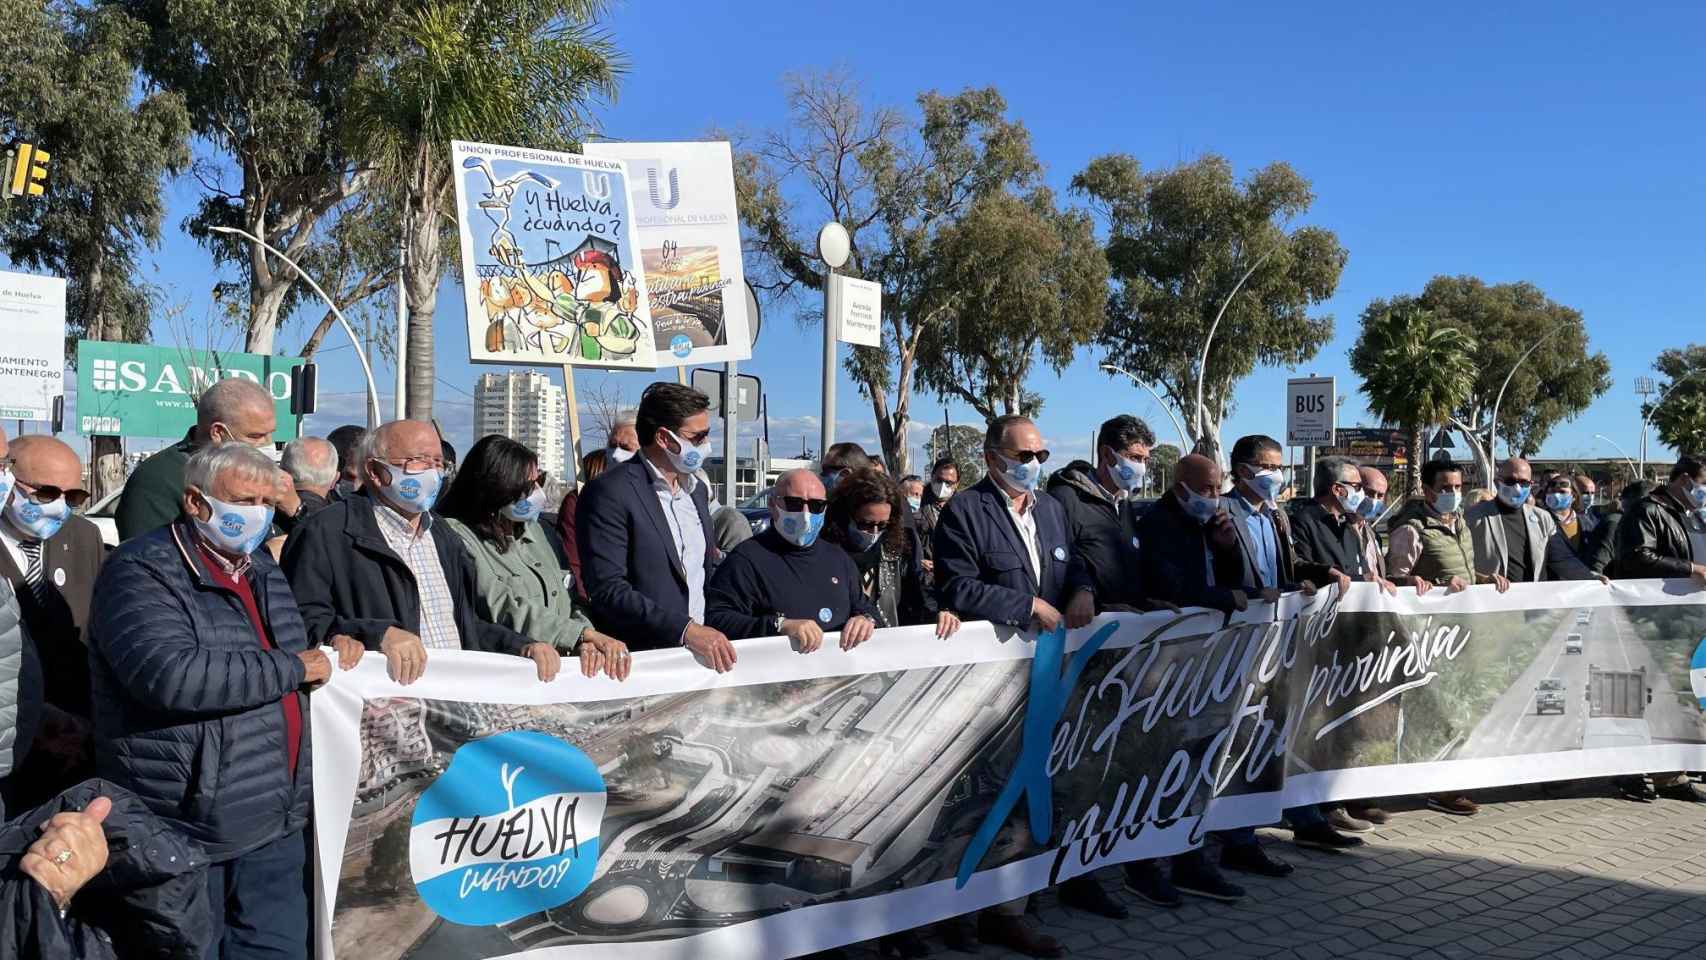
(26, 171)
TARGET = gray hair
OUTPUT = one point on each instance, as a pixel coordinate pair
(226, 399)
(310, 461)
(627, 418)
(208, 463)
(1328, 469)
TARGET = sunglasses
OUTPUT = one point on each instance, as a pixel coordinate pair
(1513, 482)
(871, 526)
(796, 504)
(75, 498)
(1026, 456)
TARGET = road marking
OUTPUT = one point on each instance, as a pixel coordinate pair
(1617, 628)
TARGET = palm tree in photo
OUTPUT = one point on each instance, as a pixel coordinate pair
(513, 72)
(1415, 370)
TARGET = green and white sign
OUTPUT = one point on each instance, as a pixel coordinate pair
(135, 390)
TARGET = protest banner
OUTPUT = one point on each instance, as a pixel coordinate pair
(551, 266)
(683, 199)
(139, 390)
(802, 802)
(32, 361)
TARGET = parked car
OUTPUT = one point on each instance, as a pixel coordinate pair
(756, 510)
(103, 513)
(1549, 696)
(1573, 643)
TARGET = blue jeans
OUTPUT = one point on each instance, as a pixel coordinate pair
(1306, 817)
(260, 902)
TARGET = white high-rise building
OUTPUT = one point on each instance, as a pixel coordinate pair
(526, 407)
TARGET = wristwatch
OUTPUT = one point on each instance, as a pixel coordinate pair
(776, 624)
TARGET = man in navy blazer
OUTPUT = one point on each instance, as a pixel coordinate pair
(1002, 554)
(645, 537)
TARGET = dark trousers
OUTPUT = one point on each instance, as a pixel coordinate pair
(260, 902)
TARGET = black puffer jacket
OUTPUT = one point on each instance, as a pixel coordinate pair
(150, 901)
(186, 700)
(1103, 536)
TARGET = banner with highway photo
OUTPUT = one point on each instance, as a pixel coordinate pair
(803, 802)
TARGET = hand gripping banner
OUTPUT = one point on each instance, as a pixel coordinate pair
(803, 802)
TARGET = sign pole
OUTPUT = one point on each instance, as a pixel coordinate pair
(833, 245)
(731, 425)
(574, 457)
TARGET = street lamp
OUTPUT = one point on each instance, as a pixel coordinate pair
(1202, 364)
(360, 354)
(1184, 444)
(1493, 430)
(1647, 421)
(833, 245)
(1614, 446)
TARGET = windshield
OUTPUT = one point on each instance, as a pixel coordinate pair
(757, 501)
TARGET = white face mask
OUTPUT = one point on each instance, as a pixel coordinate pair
(799, 528)
(39, 520)
(914, 502)
(1699, 495)
(1266, 483)
(5, 484)
(412, 492)
(691, 457)
(1020, 475)
(237, 528)
(1514, 495)
(1202, 509)
(528, 507)
(1129, 474)
(1352, 500)
(944, 489)
(619, 455)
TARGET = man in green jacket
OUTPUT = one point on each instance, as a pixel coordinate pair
(232, 410)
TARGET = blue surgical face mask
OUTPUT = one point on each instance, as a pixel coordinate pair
(5, 483)
(1202, 509)
(412, 492)
(1559, 502)
(345, 489)
(1448, 502)
(799, 528)
(1351, 502)
(1371, 508)
(830, 478)
(1022, 476)
(1266, 483)
(1699, 495)
(860, 540)
(1513, 494)
(528, 507)
(39, 520)
(236, 528)
(914, 502)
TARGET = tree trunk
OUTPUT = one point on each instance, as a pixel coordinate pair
(1418, 456)
(421, 271)
(266, 300)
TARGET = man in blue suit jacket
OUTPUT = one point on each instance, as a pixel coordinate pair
(1001, 554)
(644, 533)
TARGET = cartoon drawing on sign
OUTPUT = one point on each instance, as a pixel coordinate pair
(552, 259)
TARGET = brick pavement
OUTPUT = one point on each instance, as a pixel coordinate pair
(1571, 873)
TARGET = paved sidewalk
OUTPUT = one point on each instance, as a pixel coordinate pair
(1569, 873)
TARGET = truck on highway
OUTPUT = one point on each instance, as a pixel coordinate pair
(1617, 708)
(1549, 696)
(1573, 643)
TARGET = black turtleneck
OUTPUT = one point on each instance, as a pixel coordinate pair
(767, 575)
(1515, 521)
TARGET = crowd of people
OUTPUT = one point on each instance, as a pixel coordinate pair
(160, 690)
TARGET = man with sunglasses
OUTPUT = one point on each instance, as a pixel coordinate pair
(786, 581)
(1002, 554)
(1518, 540)
(644, 533)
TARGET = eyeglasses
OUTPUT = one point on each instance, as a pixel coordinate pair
(47, 493)
(871, 526)
(414, 465)
(1351, 484)
(1026, 456)
(1514, 482)
(796, 504)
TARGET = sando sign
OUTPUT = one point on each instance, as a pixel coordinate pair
(803, 802)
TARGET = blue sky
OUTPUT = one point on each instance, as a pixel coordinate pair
(1555, 143)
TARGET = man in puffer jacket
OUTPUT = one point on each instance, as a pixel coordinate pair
(199, 661)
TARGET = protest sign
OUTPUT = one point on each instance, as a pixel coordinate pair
(801, 802)
(683, 199)
(551, 267)
(32, 360)
(136, 390)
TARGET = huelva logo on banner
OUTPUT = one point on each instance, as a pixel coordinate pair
(510, 829)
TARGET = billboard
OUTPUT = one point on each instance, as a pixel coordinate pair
(32, 360)
(138, 390)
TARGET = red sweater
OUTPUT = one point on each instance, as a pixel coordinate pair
(291, 704)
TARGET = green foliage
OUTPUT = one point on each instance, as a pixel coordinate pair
(897, 184)
(1028, 278)
(68, 78)
(965, 444)
(1681, 419)
(1557, 382)
(1179, 242)
(1416, 368)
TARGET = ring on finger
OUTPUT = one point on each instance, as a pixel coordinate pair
(62, 857)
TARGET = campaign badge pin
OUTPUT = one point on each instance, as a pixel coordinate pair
(59, 578)
(1134, 545)
(568, 580)
(825, 614)
(1060, 553)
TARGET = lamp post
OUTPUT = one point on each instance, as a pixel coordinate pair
(1647, 421)
(1202, 363)
(1493, 429)
(1184, 444)
(1625, 456)
(833, 245)
(373, 419)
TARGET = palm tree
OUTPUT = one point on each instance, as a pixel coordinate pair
(519, 72)
(1415, 369)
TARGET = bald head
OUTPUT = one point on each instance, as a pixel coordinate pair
(43, 461)
(236, 410)
(1199, 475)
(3, 445)
(799, 483)
(404, 439)
(1515, 469)
(312, 464)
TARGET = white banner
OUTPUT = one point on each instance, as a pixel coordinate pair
(803, 802)
(32, 359)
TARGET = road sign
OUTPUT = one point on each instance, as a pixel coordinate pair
(135, 390)
(858, 311)
(1310, 413)
(748, 389)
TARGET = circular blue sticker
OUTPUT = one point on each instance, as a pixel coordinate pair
(825, 614)
(1060, 553)
(680, 345)
(1697, 673)
(409, 488)
(508, 830)
(230, 524)
(30, 512)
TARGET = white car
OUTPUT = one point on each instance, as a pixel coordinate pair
(102, 514)
(1573, 643)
